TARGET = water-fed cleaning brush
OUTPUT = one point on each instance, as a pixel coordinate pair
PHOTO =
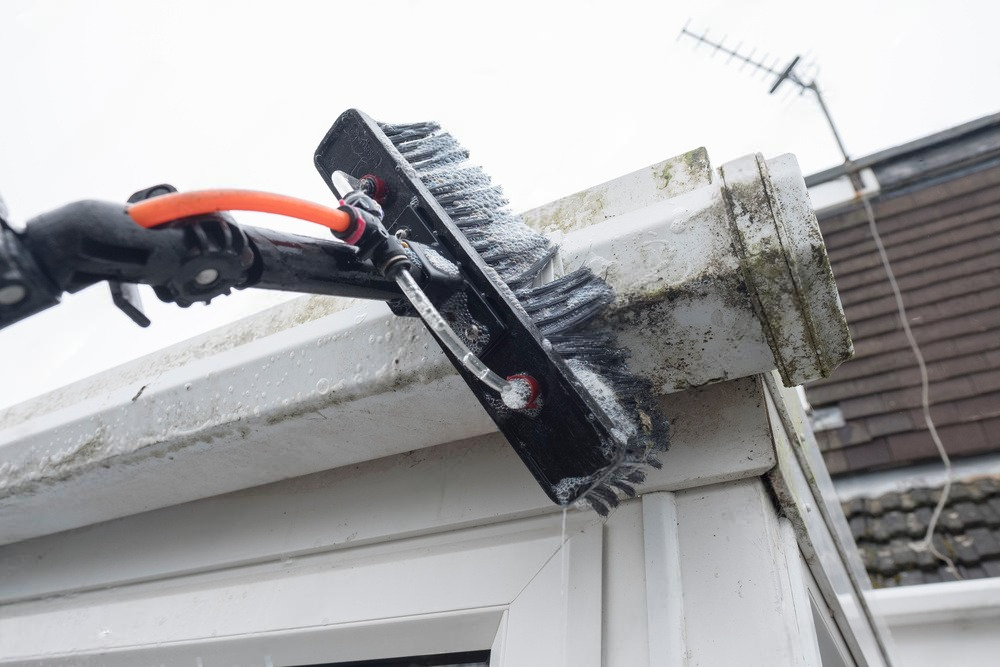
(534, 353)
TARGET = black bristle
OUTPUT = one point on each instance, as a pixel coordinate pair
(566, 310)
(635, 476)
(625, 488)
(400, 133)
(605, 494)
(596, 505)
(653, 462)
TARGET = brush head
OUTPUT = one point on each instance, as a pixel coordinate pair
(596, 427)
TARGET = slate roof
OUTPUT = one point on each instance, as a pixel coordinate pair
(939, 215)
(968, 532)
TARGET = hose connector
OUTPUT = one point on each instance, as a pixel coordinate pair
(367, 233)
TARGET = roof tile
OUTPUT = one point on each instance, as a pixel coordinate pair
(893, 422)
(869, 556)
(895, 524)
(873, 507)
(972, 572)
(925, 559)
(889, 533)
(966, 491)
(877, 530)
(969, 515)
(987, 380)
(906, 502)
(917, 522)
(960, 548)
(964, 438)
(859, 527)
(869, 455)
(985, 542)
(836, 461)
(891, 502)
(911, 577)
(854, 506)
(992, 429)
(884, 563)
(988, 486)
(950, 520)
(932, 577)
(911, 446)
(904, 556)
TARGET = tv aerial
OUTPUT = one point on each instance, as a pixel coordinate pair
(788, 74)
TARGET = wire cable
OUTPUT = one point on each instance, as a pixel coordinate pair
(176, 205)
(927, 542)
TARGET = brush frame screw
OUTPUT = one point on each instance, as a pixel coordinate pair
(206, 277)
(12, 294)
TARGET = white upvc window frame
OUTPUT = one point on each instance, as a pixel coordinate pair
(506, 587)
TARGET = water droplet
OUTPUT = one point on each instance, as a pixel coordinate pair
(323, 386)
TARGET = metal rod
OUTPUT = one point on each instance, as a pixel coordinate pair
(733, 53)
(829, 119)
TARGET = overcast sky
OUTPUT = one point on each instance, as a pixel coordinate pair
(102, 98)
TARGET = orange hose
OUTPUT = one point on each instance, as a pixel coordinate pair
(176, 205)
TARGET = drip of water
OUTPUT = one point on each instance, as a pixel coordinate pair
(564, 585)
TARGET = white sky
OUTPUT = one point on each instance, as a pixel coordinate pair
(102, 98)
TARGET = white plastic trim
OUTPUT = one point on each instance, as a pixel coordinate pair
(944, 603)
